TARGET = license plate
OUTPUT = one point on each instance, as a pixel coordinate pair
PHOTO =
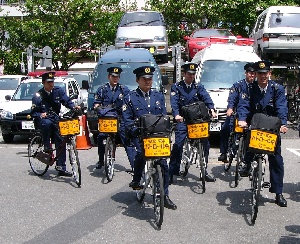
(108, 125)
(215, 126)
(69, 127)
(157, 147)
(196, 131)
(27, 125)
(263, 140)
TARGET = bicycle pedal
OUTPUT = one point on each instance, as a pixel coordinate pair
(266, 185)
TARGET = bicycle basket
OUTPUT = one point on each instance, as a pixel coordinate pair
(157, 147)
(69, 127)
(263, 135)
(198, 130)
(237, 129)
(155, 124)
(195, 111)
(108, 120)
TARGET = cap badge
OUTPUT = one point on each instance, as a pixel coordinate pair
(116, 70)
(147, 70)
(262, 65)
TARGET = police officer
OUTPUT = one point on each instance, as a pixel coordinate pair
(238, 88)
(144, 101)
(183, 93)
(49, 98)
(268, 97)
(113, 93)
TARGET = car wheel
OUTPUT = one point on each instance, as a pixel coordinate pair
(8, 138)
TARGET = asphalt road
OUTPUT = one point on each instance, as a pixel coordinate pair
(52, 209)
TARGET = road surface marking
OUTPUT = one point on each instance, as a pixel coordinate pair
(295, 151)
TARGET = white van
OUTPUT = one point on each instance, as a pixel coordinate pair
(143, 29)
(221, 65)
(277, 32)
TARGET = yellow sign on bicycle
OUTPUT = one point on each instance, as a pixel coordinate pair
(69, 127)
(197, 131)
(157, 147)
(108, 125)
(262, 140)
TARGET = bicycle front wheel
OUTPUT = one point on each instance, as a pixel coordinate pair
(74, 161)
(239, 160)
(158, 195)
(109, 161)
(255, 189)
(35, 148)
(230, 152)
(185, 164)
(202, 166)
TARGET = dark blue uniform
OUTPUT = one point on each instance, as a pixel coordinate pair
(135, 105)
(42, 102)
(273, 103)
(105, 96)
(180, 97)
(238, 88)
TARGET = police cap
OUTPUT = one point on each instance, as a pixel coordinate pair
(114, 71)
(190, 67)
(249, 67)
(144, 71)
(262, 66)
(48, 76)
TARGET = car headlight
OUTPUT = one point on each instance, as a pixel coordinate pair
(202, 43)
(6, 115)
(121, 39)
(160, 38)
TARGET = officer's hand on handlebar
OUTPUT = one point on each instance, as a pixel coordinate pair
(213, 113)
(283, 129)
(229, 112)
(243, 124)
(178, 118)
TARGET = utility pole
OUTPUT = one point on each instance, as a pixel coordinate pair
(45, 54)
(176, 60)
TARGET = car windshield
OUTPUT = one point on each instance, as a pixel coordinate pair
(284, 20)
(100, 75)
(8, 83)
(211, 32)
(141, 18)
(26, 91)
(220, 74)
(79, 78)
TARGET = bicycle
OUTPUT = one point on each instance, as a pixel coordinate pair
(156, 147)
(110, 126)
(193, 150)
(40, 160)
(233, 144)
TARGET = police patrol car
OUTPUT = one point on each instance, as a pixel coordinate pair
(221, 65)
(15, 116)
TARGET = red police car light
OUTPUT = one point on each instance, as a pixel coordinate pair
(127, 44)
(40, 73)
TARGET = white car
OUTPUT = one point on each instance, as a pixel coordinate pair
(8, 85)
(15, 116)
(221, 65)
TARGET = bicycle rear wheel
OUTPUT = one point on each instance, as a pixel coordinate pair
(202, 165)
(109, 161)
(158, 195)
(239, 160)
(255, 189)
(35, 147)
(74, 161)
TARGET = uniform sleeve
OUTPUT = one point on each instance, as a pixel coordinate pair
(98, 98)
(65, 100)
(233, 97)
(163, 104)
(128, 115)
(205, 97)
(243, 107)
(36, 109)
(281, 104)
(174, 100)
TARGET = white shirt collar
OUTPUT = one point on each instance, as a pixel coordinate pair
(263, 89)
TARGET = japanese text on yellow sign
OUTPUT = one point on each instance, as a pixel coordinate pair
(69, 127)
(108, 125)
(157, 147)
(196, 131)
(263, 140)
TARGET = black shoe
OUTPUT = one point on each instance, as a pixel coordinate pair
(280, 201)
(99, 164)
(209, 178)
(169, 204)
(246, 172)
(64, 173)
(135, 185)
(222, 157)
(171, 180)
(48, 150)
